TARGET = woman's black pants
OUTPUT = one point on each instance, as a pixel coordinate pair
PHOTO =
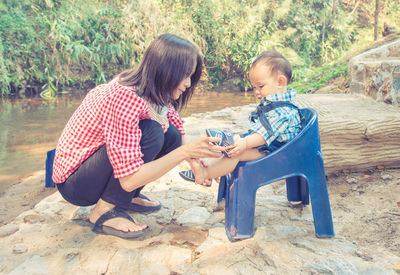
(94, 178)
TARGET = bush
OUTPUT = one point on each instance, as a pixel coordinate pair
(56, 43)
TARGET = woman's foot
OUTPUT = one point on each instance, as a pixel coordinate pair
(117, 223)
(142, 203)
(145, 201)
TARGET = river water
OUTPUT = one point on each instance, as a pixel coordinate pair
(30, 127)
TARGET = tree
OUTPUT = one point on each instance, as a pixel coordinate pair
(376, 20)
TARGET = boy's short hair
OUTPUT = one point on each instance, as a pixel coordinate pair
(276, 62)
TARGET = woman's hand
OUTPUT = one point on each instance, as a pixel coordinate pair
(150, 171)
(202, 148)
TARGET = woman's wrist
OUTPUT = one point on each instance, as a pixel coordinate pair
(183, 153)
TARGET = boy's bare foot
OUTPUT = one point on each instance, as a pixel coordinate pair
(200, 173)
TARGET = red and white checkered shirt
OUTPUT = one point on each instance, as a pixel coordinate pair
(109, 114)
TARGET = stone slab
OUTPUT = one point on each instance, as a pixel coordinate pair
(59, 242)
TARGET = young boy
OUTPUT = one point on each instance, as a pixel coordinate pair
(276, 121)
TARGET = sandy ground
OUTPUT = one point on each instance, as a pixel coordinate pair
(23, 196)
(367, 204)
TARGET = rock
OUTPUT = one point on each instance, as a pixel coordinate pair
(373, 270)
(373, 73)
(163, 216)
(163, 259)
(19, 249)
(351, 180)
(195, 215)
(279, 231)
(33, 219)
(218, 233)
(82, 213)
(284, 241)
(35, 265)
(8, 229)
(191, 236)
(216, 217)
(333, 267)
(208, 244)
(385, 176)
(306, 217)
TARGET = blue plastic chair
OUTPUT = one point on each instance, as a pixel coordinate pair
(49, 169)
(300, 162)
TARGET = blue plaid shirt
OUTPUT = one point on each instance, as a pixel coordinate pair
(285, 121)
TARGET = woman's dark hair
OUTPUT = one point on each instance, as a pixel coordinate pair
(167, 61)
(276, 62)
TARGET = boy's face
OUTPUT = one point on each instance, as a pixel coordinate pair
(264, 83)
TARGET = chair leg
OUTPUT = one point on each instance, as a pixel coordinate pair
(297, 189)
(222, 188)
(239, 210)
(320, 203)
(49, 168)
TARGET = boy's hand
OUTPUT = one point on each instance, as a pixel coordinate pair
(240, 147)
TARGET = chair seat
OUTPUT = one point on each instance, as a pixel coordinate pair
(300, 162)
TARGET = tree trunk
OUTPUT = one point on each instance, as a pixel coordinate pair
(376, 20)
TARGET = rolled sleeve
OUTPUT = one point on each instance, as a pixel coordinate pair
(122, 133)
(258, 128)
(175, 119)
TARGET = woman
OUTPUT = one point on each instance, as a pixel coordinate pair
(127, 133)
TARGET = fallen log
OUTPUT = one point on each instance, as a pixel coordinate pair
(357, 133)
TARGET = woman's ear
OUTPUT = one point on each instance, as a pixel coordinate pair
(282, 80)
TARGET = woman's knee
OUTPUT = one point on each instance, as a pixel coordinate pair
(173, 137)
(152, 139)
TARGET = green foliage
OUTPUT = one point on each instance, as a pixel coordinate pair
(309, 80)
(60, 43)
(323, 30)
(56, 43)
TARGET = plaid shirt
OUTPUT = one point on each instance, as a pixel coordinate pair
(285, 121)
(109, 114)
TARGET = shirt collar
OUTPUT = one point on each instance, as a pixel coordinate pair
(289, 95)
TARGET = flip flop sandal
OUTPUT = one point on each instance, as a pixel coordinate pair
(187, 175)
(226, 137)
(106, 230)
(143, 208)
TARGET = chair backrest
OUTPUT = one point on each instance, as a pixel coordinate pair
(311, 123)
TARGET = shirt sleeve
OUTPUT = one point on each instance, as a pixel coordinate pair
(122, 132)
(175, 119)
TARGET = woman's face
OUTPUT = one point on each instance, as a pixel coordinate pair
(184, 84)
